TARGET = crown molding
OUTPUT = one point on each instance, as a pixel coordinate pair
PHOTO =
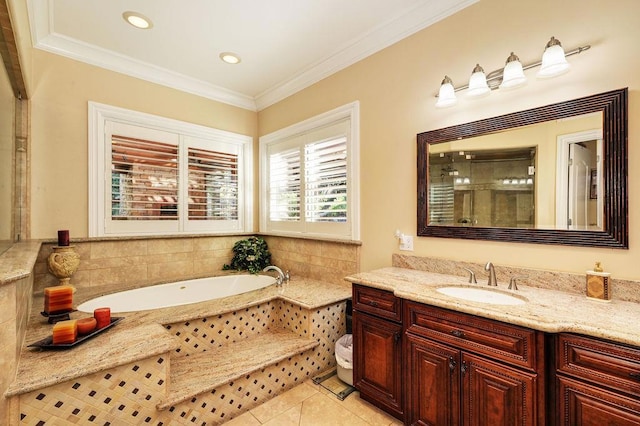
(379, 38)
(44, 38)
(422, 16)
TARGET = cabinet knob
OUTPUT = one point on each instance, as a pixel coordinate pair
(458, 333)
(373, 303)
(452, 364)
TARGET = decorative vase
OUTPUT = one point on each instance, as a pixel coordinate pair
(63, 263)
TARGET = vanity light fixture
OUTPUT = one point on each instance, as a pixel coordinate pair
(553, 63)
(230, 58)
(138, 20)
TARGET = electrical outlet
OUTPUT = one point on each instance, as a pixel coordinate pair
(406, 243)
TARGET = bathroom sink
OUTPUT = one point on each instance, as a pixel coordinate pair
(482, 295)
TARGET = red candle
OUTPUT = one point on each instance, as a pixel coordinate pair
(63, 237)
(102, 316)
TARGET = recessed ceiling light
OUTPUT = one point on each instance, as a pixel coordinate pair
(138, 20)
(230, 58)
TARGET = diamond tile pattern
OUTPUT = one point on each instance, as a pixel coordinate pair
(129, 394)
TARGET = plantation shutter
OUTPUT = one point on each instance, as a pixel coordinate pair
(308, 182)
(441, 199)
(326, 180)
(213, 185)
(155, 176)
(144, 179)
(285, 186)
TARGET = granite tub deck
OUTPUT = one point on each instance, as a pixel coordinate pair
(545, 310)
(202, 363)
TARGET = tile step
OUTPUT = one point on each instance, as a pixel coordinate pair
(203, 372)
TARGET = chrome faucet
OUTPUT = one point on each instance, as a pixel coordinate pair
(472, 276)
(280, 277)
(492, 274)
(512, 282)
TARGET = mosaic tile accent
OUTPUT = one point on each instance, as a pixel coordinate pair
(130, 394)
(123, 395)
(208, 333)
(229, 401)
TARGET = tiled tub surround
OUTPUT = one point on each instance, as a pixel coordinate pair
(138, 262)
(157, 367)
(546, 309)
(16, 288)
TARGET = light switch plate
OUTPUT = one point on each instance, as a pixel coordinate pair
(406, 243)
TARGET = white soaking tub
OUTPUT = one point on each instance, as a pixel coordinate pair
(178, 293)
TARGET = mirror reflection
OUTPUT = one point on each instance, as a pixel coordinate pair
(574, 152)
(547, 175)
(482, 188)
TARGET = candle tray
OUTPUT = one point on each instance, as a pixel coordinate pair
(47, 342)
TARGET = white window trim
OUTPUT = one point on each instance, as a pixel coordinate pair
(350, 111)
(101, 113)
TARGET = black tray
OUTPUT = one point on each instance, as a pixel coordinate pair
(47, 342)
(60, 316)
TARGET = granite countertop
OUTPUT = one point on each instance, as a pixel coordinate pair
(545, 310)
(17, 262)
(141, 334)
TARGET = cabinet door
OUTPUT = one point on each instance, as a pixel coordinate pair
(494, 394)
(378, 361)
(433, 383)
(584, 405)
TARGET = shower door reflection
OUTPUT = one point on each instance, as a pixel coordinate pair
(488, 188)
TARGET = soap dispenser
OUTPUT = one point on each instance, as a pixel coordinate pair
(598, 283)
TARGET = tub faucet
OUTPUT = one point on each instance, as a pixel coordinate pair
(492, 274)
(280, 277)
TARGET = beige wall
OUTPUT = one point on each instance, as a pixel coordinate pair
(396, 86)
(60, 91)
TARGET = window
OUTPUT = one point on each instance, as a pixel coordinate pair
(150, 175)
(309, 177)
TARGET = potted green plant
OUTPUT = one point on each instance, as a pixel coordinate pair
(251, 254)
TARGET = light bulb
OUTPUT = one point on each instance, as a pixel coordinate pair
(478, 86)
(554, 62)
(447, 94)
(513, 75)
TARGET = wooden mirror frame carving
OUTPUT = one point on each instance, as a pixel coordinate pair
(613, 105)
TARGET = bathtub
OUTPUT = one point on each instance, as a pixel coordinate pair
(178, 293)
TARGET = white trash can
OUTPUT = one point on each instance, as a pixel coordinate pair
(344, 357)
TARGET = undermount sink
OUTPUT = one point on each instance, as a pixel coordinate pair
(481, 295)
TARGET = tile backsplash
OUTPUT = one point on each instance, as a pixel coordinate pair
(554, 280)
(139, 262)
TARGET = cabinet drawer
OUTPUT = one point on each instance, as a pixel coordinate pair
(377, 302)
(499, 341)
(604, 363)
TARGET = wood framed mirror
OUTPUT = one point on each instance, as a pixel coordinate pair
(608, 180)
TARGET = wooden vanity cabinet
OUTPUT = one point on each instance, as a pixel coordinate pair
(377, 348)
(465, 370)
(598, 382)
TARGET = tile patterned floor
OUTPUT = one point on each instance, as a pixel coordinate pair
(309, 404)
